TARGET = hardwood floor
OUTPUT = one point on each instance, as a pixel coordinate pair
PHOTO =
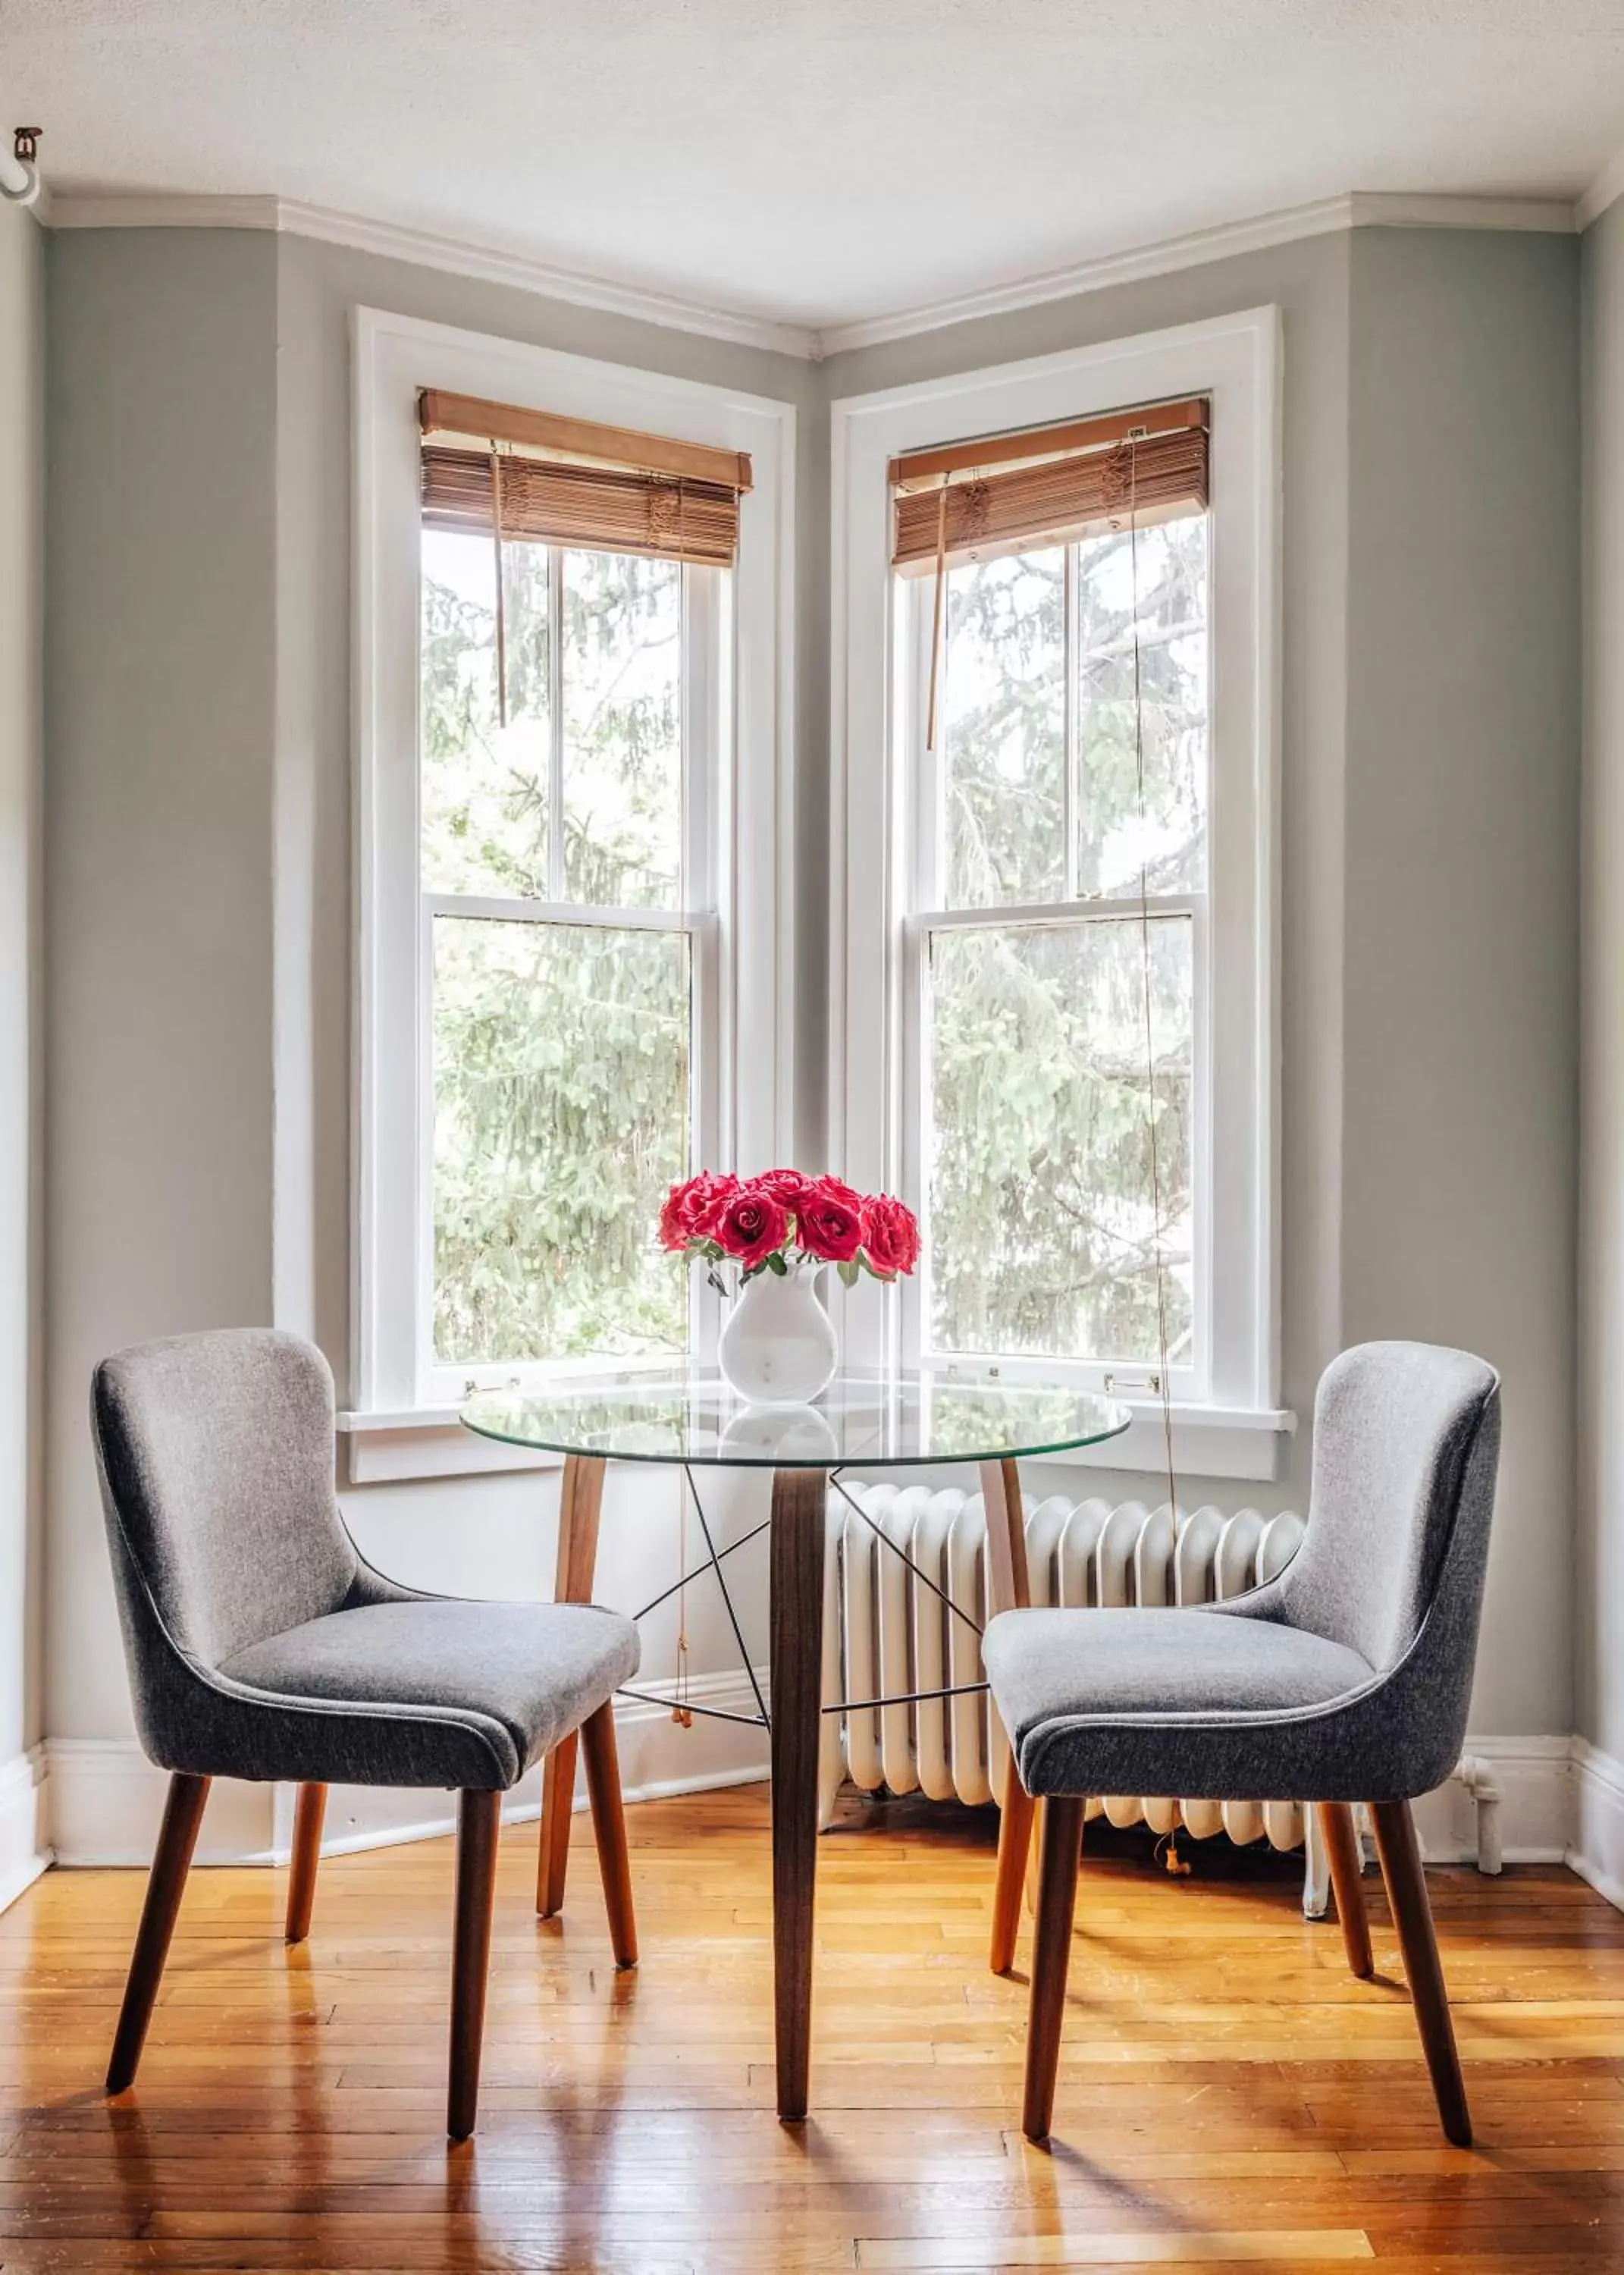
(1228, 2094)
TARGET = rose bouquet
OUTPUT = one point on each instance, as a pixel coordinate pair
(783, 1223)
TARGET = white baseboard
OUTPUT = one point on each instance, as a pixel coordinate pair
(25, 1850)
(1534, 1779)
(100, 1801)
(105, 1799)
(1595, 1850)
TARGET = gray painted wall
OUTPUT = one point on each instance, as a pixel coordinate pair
(1460, 1127)
(200, 859)
(161, 614)
(22, 486)
(1600, 1571)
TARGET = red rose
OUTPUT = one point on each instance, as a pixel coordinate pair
(785, 1185)
(890, 1235)
(829, 1221)
(750, 1225)
(690, 1210)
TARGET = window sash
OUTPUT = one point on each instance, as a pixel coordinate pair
(706, 622)
(923, 916)
(1234, 361)
(1189, 1379)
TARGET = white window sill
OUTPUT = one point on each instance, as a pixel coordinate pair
(427, 1442)
(1208, 1442)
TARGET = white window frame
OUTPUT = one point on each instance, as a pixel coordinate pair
(1227, 1421)
(737, 839)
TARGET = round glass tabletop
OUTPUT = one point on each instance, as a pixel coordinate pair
(685, 1414)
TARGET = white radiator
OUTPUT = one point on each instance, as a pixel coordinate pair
(885, 1633)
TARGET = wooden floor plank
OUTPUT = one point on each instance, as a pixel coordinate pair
(1229, 2097)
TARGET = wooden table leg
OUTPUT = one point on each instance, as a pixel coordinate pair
(1008, 1589)
(797, 1622)
(579, 1502)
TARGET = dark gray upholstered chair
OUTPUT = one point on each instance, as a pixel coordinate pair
(262, 1645)
(1346, 1678)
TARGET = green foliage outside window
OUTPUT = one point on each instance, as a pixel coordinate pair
(561, 1051)
(1042, 1202)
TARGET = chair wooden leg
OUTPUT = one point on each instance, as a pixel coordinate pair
(1412, 1914)
(479, 1819)
(308, 1812)
(1336, 1826)
(183, 1813)
(1057, 1897)
(1015, 1841)
(609, 1825)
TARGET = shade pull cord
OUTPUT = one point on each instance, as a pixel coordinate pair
(502, 612)
(682, 1712)
(936, 615)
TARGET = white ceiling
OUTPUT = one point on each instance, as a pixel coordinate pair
(818, 161)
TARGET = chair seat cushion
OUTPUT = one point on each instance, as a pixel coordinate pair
(1198, 1704)
(521, 1676)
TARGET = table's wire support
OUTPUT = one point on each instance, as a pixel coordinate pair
(761, 1719)
(716, 1713)
(902, 1698)
(881, 1535)
(688, 1578)
(721, 1581)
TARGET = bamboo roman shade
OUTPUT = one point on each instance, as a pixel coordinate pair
(498, 470)
(1014, 493)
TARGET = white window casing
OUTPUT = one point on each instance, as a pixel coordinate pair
(1227, 1422)
(736, 827)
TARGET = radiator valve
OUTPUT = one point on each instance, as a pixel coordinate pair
(1175, 1862)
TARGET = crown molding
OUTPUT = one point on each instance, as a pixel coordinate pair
(113, 210)
(423, 249)
(1608, 185)
(1358, 209)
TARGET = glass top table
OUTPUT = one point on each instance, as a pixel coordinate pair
(691, 1419)
(690, 1416)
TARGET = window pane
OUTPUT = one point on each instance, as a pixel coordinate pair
(1042, 1215)
(485, 786)
(623, 679)
(1002, 731)
(561, 1117)
(1172, 577)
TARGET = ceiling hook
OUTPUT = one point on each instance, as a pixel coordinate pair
(25, 154)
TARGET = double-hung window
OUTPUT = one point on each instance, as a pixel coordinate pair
(1057, 942)
(571, 717)
(563, 619)
(1055, 854)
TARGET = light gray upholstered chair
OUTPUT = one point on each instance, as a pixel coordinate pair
(1346, 1678)
(262, 1645)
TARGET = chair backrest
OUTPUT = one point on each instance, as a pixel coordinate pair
(216, 1458)
(1406, 1440)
